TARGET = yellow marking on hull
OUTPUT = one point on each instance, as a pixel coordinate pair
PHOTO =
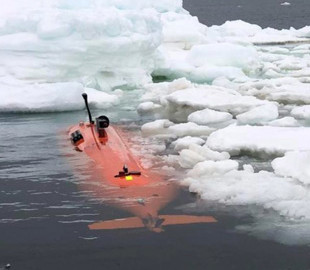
(129, 178)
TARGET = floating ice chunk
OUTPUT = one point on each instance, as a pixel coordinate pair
(299, 93)
(182, 28)
(148, 107)
(285, 122)
(284, 195)
(155, 91)
(207, 116)
(285, 4)
(172, 160)
(209, 154)
(156, 127)
(236, 28)
(285, 231)
(223, 54)
(259, 115)
(47, 97)
(165, 127)
(101, 100)
(188, 158)
(213, 97)
(239, 31)
(269, 140)
(208, 73)
(189, 129)
(248, 168)
(293, 164)
(185, 142)
(204, 63)
(286, 90)
(302, 112)
(54, 41)
(210, 167)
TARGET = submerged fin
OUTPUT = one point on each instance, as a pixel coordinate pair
(164, 220)
(185, 219)
(124, 223)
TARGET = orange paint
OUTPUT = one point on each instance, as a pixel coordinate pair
(141, 195)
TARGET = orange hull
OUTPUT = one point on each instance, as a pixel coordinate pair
(111, 154)
(142, 195)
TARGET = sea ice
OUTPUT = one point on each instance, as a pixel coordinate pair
(210, 167)
(205, 62)
(185, 142)
(195, 153)
(294, 164)
(223, 54)
(266, 139)
(62, 41)
(259, 115)
(41, 97)
(286, 90)
(301, 112)
(285, 122)
(166, 127)
(207, 116)
(265, 189)
(213, 97)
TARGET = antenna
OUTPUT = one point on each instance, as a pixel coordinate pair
(84, 95)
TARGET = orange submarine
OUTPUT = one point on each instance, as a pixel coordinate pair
(124, 183)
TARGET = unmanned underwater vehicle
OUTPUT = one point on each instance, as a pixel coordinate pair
(126, 184)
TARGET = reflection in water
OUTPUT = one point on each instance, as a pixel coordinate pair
(108, 167)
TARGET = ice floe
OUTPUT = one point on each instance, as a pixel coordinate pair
(168, 128)
(186, 142)
(302, 112)
(110, 44)
(263, 189)
(285, 122)
(50, 97)
(207, 116)
(266, 139)
(294, 164)
(259, 115)
(286, 90)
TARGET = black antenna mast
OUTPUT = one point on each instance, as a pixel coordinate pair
(84, 95)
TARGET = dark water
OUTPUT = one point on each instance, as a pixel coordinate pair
(266, 13)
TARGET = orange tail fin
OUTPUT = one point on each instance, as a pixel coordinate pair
(135, 222)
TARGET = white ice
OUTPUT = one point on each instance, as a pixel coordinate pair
(264, 189)
(259, 115)
(186, 142)
(266, 139)
(169, 129)
(207, 116)
(213, 97)
(294, 164)
(284, 122)
(302, 112)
